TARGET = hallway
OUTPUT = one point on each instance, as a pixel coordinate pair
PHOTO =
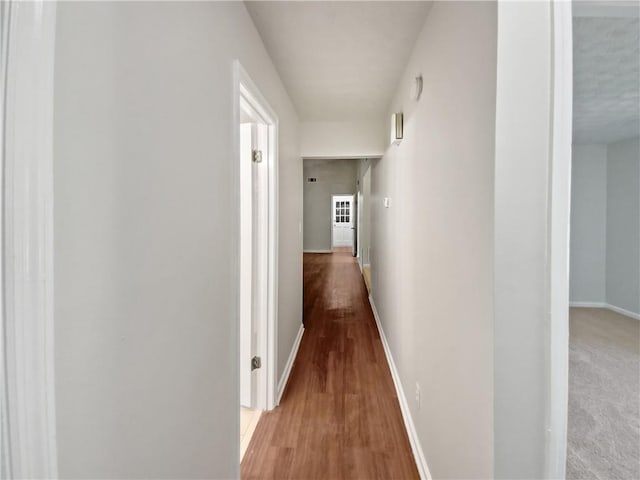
(156, 277)
(339, 416)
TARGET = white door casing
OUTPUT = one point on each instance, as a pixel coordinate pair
(27, 393)
(342, 216)
(355, 206)
(247, 399)
(359, 252)
(560, 180)
(265, 252)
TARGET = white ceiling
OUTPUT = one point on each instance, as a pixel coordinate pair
(606, 79)
(339, 60)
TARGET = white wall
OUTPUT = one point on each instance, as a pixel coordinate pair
(523, 245)
(623, 225)
(605, 225)
(343, 139)
(146, 325)
(432, 250)
(335, 177)
(588, 223)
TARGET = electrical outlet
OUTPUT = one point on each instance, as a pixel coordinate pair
(418, 395)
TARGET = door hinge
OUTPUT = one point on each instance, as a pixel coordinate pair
(257, 156)
(256, 362)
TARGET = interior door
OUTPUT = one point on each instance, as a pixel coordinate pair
(354, 226)
(246, 264)
(343, 221)
(253, 254)
(358, 247)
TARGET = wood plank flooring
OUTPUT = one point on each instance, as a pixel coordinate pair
(339, 417)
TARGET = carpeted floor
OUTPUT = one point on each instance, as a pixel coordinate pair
(604, 396)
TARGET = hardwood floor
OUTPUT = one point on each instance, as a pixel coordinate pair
(339, 417)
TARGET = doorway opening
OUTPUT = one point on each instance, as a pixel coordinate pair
(257, 138)
(343, 222)
(364, 221)
(604, 274)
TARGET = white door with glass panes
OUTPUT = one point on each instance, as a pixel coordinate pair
(343, 221)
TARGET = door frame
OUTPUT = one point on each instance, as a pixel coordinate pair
(360, 198)
(28, 447)
(243, 86)
(333, 195)
(559, 225)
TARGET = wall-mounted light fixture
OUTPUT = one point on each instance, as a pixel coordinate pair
(396, 128)
(416, 88)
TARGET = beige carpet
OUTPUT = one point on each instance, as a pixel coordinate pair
(604, 396)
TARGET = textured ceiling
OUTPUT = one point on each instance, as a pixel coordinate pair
(606, 79)
(339, 60)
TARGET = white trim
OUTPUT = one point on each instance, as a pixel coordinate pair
(371, 156)
(245, 87)
(289, 365)
(245, 276)
(608, 306)
(416, 447)
(588, 304)
(26, 94)
(559, 223)
(622, 311)
(317, 251)
(358, 196)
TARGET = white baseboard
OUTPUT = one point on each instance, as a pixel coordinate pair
(287, 368)
(418, 454)
(622, 311)
(317, 251)
(613, 308)
(588, 304)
